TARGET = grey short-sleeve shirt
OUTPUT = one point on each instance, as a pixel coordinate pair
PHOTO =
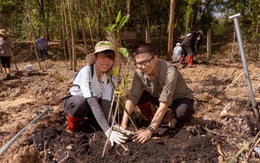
(168, 84)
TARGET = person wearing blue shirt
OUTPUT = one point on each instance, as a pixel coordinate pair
(41, 43)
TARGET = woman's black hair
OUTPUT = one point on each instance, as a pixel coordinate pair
(108, 54)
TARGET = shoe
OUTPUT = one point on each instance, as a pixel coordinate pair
(181, 59)
(195, 62)
(73, 123)
(172, 123)
(8, 77)
(190, 61)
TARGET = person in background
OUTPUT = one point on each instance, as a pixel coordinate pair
(160, 83)
(41, 43)
(6, 46)
(92, 91)
(176, 52)
(190, 46)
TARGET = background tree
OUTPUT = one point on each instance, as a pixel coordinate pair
(89, 19)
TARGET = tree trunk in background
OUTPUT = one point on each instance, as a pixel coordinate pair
(41, 9)
(74, 59)
(147, 30)
(76, 12)
(170, 36)
(258, 45)
(98, 20)
(128, 2)
(40, 4)
(110, 9)
(67, 32)
(91, 33)
(86, 12)
(47, 23)
(208, 43)
(258, 49)
(194, 17)
(233, 47)
(28, 13)
(83, 31)
(63, 39)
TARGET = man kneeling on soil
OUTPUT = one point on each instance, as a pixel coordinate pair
(92, 91)
(160, 83)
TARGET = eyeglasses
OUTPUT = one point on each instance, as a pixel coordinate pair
(144, 63)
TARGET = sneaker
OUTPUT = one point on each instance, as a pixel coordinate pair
(172, 123)
(8, 77)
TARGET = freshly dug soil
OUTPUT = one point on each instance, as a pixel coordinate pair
(222, 125)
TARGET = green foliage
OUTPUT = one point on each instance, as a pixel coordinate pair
(111, 28)
(251, 20)
(123, 83)
(46, 17)
(222, 26)
(119, 23)
(115, 71)
(118, 18)
(123, 21)
(124, 52)
(11, 15)
(188, 15)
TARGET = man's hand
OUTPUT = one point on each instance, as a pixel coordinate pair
(115, 136)
(142, 136)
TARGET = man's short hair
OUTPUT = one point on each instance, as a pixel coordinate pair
(144, 48)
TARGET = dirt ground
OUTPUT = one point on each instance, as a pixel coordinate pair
(223, 124)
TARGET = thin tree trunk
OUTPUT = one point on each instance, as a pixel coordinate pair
(195, 13)
(41, 13)
(67, 33)
(74, 63)
(82, 29)
(128, 2)
(87, 14)
(99, 20)
(63, 42)
(28, 10)
(147, 30)
(47, 23)
(233, 47)
(110, 11)
(170, 36)
(208, 43)
(91, 34)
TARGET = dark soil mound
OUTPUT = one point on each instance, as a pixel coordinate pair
(167, 145)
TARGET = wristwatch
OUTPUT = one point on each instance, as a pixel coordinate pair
(150, 128)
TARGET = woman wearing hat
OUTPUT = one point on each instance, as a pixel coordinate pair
(5, 51)
(91, 91)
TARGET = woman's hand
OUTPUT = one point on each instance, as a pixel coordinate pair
(142, 136)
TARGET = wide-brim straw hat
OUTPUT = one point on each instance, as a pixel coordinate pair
(3, 32)
(104, 45)
(100, 46)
